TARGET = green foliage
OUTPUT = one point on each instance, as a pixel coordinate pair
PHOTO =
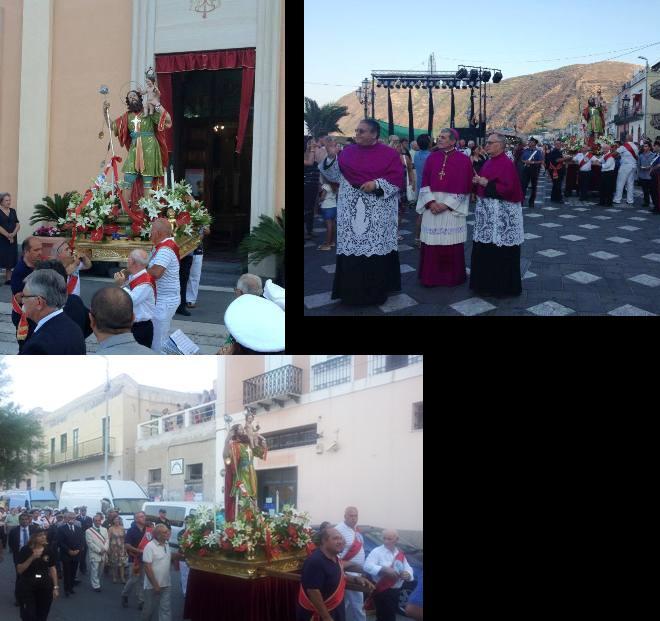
(20, 439)
(266, 239)
(52, 209)
(323, 120)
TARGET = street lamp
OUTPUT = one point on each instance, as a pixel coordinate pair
(106, 439)
(363, 95)
(646, 89)
(626, 103)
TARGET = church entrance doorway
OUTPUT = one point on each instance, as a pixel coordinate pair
(206, 112)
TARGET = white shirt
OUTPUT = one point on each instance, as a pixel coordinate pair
(626, 158)
(381, 557)
(48, 318)
(160, 557)
(607, 165)
(144, 300)
(94, 544)
(578, 160)
(467, 151)
(167, 286)
(76, 290)
(349, 535)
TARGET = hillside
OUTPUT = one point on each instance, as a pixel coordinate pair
(521, 101)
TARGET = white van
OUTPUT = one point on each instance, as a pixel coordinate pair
(126, 497)
(177, 512)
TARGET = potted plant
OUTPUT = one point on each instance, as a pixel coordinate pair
(52, 209)
(265, 240)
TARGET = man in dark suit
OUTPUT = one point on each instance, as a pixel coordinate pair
(85, 522)
(70, 542)
(44, 296)
(17, 538)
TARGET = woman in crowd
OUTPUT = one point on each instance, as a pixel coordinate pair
(9, 228)
(117, 552)
(37, 578)
(498, 227)
(408, 176)
(311, 185)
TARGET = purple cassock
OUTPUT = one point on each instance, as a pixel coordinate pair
(447, 180)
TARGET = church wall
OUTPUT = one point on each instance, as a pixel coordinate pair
(11, 25)
(178, 29)
(91, 46)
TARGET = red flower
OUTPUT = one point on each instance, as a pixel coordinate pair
(206, 532)
(97, 235)
(249, 515)
(183, 219)
(203, 552)
(226, 545)
(241, 548)
(292, 531)
(230, 533)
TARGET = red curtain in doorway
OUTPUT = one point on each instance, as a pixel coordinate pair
(244, 59)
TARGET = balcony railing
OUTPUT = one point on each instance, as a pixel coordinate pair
(177, 421)
(331, 372)
(631, 117)
(90, 449)
(277, 386)
(655, 90)
(383, 364)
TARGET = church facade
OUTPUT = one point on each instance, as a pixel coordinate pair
(220, 69)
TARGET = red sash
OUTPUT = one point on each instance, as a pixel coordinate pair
(630, 150)
(71, 284)
(608, 156)
(143, 279)
(555, 169)
(384, 583)
(356, 546)
(171, 244)
(336, 599)
(22, 328)
(585, 160)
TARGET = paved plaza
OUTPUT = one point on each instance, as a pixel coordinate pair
(577, 259)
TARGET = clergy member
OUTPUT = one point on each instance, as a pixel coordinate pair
(498, 226)
(443, 200)
(370, 176)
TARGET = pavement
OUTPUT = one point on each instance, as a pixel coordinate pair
(84, 604)
(577, 259)
(204, 326)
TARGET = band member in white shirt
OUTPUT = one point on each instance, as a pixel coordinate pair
(141, 286)
(629, 154)
(352, 553)
(388, 566)
(164, 268)
(73, 265)
(583, 160)
(607, 175)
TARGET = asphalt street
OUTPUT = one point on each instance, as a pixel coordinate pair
(577, 259)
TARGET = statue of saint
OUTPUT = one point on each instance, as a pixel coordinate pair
(143, 135)
(594, 115)
(240, 476)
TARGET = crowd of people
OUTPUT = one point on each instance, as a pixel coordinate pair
(50, 546)
(133, 316)
(367, 185)
(375, 579)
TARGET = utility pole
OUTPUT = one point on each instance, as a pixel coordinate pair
(106, 442)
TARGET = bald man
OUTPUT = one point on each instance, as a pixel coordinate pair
(388, 566)
(354, 552)
(142, 289)
(164, 269)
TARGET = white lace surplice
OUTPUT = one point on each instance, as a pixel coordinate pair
(447, 228)
(498, 222)
(366, 224)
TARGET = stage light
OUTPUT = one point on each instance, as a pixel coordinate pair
(485, 76)
(444, 85)
(461, 73)
(417, 84)
(378, 84)
(398, 84)
(497, 77)
(474, 75)
(437, 85)
(464, 85)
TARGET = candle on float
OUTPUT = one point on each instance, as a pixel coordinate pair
(165, 179)
(172, 171)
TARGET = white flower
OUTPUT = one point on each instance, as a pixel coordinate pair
(176, 204)
(188, 229)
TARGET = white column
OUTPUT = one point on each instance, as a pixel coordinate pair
(34, 123)
(266, 98)
(143, 38)
(220, 429)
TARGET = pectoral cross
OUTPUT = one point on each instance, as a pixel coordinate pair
(441, 174)
(136, 122)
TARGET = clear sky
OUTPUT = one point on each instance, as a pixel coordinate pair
(346, 39)
(50, 382)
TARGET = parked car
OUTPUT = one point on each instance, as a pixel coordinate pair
(177, 512)
(373, 537)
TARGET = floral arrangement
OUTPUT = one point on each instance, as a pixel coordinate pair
(96, 214)
(48, 231)
(573, 143)
(256, 532)
(178, 203)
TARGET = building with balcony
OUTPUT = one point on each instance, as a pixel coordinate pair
(74, 435)
(638, 105)
(341, 430)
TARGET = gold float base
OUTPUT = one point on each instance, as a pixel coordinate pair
(224, 564)
(118, 250)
